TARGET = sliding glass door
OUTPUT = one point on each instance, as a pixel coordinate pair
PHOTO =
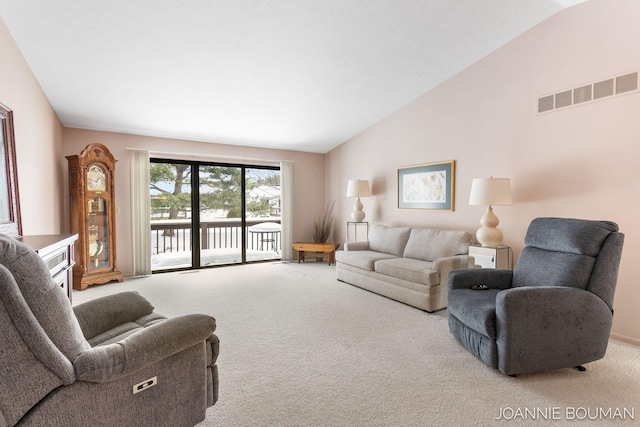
(220, 215)
(208, 214)
(263, 214)
(170, 215)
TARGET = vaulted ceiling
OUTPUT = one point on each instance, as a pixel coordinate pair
(294, 74)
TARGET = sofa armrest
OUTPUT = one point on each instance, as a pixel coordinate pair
(356, 246)
(157, 342)
(102, 314)
(445, 265)
(467, 277)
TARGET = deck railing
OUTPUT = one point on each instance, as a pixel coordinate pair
(175, 235)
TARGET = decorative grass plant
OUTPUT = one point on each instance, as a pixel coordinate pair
(323, 226)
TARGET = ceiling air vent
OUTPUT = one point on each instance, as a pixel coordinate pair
(591, 92)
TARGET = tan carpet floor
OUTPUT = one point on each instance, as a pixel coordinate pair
(299, 348)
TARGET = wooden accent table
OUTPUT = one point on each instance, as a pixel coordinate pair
(321, 249)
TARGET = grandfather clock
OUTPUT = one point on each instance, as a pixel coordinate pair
(91, 194)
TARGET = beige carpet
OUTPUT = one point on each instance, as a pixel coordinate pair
(299, 348)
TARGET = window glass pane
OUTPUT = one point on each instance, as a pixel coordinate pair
(263, 206)
(170, 215)
(220, 215)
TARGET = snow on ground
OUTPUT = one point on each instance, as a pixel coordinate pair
(182, 259)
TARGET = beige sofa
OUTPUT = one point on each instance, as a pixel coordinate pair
(407, 264)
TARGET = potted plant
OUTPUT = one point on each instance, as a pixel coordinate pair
(323, 226)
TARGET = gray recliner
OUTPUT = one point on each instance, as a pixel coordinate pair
(554, 310)
(110, 362)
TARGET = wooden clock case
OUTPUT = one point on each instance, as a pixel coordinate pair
(92, 196)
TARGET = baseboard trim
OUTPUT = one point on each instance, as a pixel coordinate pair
(625, 338)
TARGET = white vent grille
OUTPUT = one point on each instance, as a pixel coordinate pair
(545, 104)
(563, 99)
(627, 83)
(582, 94)
(602, 89)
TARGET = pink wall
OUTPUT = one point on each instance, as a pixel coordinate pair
(308, 171)
(38, 136)
(577, 162)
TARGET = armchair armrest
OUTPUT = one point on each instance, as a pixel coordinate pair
(535, 322)
(554, 306)
(102, 314)
(157, 342)
(467, 277)
(356, 246)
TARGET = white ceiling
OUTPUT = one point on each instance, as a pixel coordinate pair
(295, 74)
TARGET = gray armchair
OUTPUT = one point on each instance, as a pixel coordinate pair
(111, 361)
(554, 310)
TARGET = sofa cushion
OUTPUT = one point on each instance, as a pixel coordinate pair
(412, 270)
(361, 259)
(429, 244)
(389, 240)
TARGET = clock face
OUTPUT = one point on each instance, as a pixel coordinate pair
(96, 179)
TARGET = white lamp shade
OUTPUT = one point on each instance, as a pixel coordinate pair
(490, 192)
(358, 188)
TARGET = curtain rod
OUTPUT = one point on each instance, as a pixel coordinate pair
(185, 156)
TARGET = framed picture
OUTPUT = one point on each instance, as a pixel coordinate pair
(428, 186)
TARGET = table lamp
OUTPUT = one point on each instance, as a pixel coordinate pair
(490, 192)
(358, 188)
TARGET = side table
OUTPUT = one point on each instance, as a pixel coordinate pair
(322, 249)
(357, 231)
(499, 257)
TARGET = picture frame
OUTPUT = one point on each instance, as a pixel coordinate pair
(10, 219)
(429, 186)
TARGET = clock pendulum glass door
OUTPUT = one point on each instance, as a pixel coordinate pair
(98, 233)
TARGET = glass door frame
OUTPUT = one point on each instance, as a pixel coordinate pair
(195, 225)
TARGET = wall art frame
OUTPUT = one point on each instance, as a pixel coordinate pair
(10, 219)
(429, 186)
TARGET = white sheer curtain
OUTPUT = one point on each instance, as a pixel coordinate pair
(286, 176)
(140, 212)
